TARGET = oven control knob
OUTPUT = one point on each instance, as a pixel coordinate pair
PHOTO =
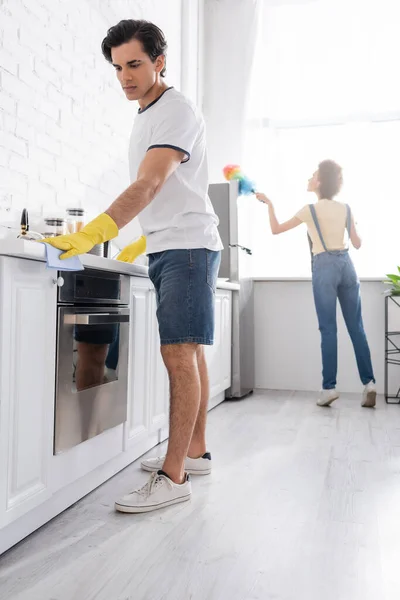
(59, 281)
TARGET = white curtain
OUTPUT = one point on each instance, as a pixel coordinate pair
(325, 84)
(230, 38)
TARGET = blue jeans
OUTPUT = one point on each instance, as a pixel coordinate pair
(185, 282)
(334, 277)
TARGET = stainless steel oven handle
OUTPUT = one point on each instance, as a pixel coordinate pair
(95, 319)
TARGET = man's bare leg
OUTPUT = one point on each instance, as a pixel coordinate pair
(182, 366)
(198, 444)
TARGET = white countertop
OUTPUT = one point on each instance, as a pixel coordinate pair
(35, 251)
(294, 279)
(29, 250)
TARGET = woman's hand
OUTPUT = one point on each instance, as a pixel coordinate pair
(263, 198)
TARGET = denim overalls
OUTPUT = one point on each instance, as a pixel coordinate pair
(334, 277)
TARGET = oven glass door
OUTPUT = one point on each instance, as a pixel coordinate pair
(92, 373)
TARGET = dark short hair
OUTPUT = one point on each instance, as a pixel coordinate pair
(330, 179)
(149, 35)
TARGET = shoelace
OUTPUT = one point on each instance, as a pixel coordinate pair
(153, 484)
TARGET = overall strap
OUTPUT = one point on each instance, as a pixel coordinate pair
(318, 228)
(310, 244)
(348, 220)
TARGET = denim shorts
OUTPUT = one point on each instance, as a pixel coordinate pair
(185, 282)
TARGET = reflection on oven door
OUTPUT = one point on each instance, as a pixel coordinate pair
(95, 355)
(91, 374)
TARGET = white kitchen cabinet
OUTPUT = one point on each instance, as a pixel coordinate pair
(139, 364)
(226, 339)
(218, 356)
(159, 383)
(27, 368)
(148, 381)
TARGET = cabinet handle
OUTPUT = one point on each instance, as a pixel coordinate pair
(59, 282)
(96, 319)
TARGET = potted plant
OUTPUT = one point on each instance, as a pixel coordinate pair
(394, 281)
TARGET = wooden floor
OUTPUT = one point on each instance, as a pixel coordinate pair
(303, 504)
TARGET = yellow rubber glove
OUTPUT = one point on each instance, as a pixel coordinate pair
(130, 253)
(101, 229)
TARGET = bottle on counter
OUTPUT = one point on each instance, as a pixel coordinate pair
(54, 226)
(75, 220)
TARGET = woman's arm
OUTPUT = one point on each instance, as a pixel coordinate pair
(354, 237)
(277, 227)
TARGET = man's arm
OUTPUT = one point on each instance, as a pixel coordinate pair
(154, 170)
(156, 167)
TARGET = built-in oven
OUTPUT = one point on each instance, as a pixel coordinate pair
(92, 355)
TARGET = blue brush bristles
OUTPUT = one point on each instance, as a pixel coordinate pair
(246, 186)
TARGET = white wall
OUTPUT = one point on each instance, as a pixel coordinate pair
(192, 50)
(287, 340)
(230, 28)
(64, 121)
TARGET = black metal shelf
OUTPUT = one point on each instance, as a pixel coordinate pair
(391, 348)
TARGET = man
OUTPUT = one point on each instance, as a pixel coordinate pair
(168, 168)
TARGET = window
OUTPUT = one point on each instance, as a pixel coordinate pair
(325, 85)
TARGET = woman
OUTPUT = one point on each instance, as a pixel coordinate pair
(333, 276)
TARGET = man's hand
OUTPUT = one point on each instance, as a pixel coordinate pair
(100, 230)
(73, 244)
(130, 253)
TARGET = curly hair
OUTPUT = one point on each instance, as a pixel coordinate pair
(330, 179)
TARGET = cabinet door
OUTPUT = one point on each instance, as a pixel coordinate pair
(148, 396)
(213, 353)
(219, 355)
(27, 376)
(226, 340)
(139, 365)
(159, 384)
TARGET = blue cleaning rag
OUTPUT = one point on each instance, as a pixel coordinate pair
(54, 261)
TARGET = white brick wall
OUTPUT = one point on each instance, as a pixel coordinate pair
(64, 122)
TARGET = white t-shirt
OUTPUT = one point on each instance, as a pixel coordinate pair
(181, 216)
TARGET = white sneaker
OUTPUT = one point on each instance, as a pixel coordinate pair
(193, 466)
(160, 491)
(327, 397)
(369, 395)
